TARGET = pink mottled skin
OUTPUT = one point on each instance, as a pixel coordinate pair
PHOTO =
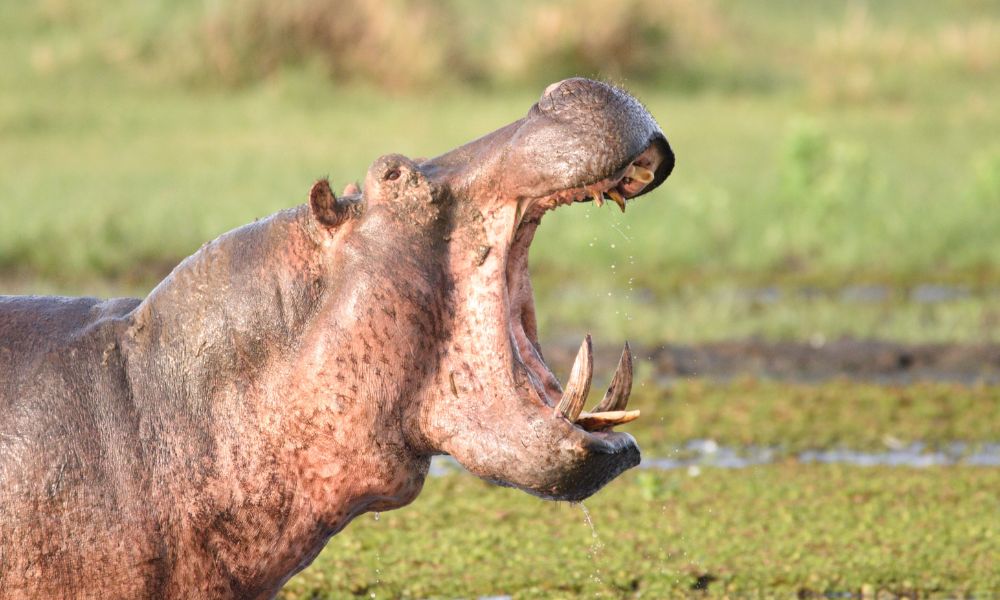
(207, 441)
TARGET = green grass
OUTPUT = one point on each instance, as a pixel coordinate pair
(617, 307)
(882, 199)
(774, 531)
(794, 417)
(113, 167)
(92, 194)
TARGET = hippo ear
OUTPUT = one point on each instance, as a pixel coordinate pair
(325, 206)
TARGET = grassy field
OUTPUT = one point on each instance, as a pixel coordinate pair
(148, 181)
(776, 531)
(836, 160)
(115, 166)
(794, 417)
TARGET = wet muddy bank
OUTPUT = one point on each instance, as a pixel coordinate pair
(866, 360)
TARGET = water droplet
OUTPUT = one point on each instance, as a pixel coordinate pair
(588, 520)
(378, 569)
(595, 547)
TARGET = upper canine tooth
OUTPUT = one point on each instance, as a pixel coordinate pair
(578, 385)
(598, 198)
(616, 398)
(640, 173)
(619, 200)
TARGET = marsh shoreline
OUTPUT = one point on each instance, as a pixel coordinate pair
(879, 361)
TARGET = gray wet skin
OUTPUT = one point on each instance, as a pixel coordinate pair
(301, 370)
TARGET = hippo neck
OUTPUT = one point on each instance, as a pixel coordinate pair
(224, 347)
(236, 301)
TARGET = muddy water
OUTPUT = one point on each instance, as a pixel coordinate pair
(708, 453)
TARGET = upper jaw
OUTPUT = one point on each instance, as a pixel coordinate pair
(585, 131)
(638, 175)
(579, 133)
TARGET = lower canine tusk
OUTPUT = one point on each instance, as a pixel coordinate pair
(578, 385)
(616, 398)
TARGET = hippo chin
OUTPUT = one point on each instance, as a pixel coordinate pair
(301, 370)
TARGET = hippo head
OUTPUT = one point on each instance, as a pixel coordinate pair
(447, 240)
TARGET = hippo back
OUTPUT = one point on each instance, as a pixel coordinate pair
(34, 329)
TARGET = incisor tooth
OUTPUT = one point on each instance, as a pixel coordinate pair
(619, 200)
(603, 420)
(641, 173)
(598, 198)
(616, 398)
(578, 385)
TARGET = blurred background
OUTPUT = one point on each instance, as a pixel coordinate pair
(821, 272)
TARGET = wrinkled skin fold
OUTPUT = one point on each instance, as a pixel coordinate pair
(207, 440)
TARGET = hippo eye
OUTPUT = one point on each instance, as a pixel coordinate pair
(392, 175)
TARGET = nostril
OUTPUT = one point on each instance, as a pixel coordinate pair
(392, 175)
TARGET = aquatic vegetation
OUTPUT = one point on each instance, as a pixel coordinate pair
(776, 531)
(792, 417)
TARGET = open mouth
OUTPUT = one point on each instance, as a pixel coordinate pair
(567, 401)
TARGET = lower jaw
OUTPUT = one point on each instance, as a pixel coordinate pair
(551, 395)
(607, 458)
(522, 317)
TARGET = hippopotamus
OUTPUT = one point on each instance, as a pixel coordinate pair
(296, 372)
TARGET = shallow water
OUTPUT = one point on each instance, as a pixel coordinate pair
(707, 453)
